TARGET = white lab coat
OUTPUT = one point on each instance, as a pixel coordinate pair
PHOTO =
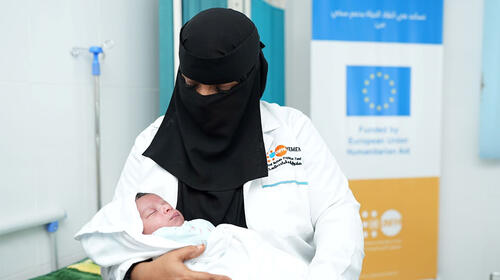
(304, 206)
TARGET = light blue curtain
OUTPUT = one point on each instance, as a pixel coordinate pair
(191, 7)
(489, 128)
(270, 23)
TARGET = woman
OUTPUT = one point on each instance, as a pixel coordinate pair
(222, 155)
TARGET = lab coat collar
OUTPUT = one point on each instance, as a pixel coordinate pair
(269, 123)
(268, 120)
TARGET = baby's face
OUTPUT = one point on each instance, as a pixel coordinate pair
(156, 213)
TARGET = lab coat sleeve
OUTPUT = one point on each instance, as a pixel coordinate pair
(338, 232)
(135, 169)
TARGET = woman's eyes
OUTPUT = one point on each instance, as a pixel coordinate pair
(223, 88)
(218, 88)
(190, 83)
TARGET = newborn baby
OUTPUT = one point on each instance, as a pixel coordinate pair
(239, 253)
(233, 251)
(161, 219)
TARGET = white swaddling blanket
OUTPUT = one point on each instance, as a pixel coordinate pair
(236, 252)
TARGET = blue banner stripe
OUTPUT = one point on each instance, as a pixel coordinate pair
(412, 21)
(286, 182)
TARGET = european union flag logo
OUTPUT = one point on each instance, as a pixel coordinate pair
(378, 91)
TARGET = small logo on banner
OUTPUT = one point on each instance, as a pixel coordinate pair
(370, 223)
(389, 223)
(378, 91)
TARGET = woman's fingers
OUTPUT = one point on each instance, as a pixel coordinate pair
(171, 266)
(195, 275)
(188, 252)
(191, 252)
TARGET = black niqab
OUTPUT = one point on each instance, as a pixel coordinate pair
(213, 144)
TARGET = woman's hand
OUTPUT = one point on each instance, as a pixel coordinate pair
(170, 266)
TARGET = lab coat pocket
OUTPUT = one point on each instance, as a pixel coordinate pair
(282, 198)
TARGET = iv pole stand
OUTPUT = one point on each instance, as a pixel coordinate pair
(96, 72)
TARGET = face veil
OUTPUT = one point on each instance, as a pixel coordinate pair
(213, 144)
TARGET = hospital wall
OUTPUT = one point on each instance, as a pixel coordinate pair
(47, 157)
(46, 120)
(469, 208)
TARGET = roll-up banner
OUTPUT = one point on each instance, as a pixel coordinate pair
(376, 74)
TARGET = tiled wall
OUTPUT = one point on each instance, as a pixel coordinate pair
(47, 155)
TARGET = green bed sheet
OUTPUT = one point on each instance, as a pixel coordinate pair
(84, 270)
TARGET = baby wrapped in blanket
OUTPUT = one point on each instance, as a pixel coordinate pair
(222, 255)
(233, 251)
(161, 219)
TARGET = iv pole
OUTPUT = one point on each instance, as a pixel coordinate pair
(96, 72)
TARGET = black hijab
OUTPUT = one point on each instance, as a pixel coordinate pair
(213, 144)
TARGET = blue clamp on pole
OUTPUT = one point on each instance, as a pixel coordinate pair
(52, 227)
(96, 68)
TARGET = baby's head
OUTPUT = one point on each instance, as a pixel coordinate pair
(156, 213)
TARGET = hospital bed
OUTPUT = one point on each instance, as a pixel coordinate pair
(50, 218)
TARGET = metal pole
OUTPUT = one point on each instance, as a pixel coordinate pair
(52, 230)
(97, 118)
(55, 256)
(96, 72)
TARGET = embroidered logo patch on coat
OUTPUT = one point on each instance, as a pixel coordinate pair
(283, 155)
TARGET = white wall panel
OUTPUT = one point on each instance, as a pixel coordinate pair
(55, 27)
(31, 246)
(47, 115)
(133, 25)
(14, 44)
(469, 247)
(122, 121)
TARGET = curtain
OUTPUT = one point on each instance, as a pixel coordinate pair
(270, 22)
(489, 128)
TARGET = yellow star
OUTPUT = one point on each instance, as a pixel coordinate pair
(372, 76)
(364, 91)
(367, 99)
(391, 83)
(379, 108)
(372, 105)
(386, 105)
(391, 99)
(386, 77)
(379, 74)
(367, 82)
(393, 91)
